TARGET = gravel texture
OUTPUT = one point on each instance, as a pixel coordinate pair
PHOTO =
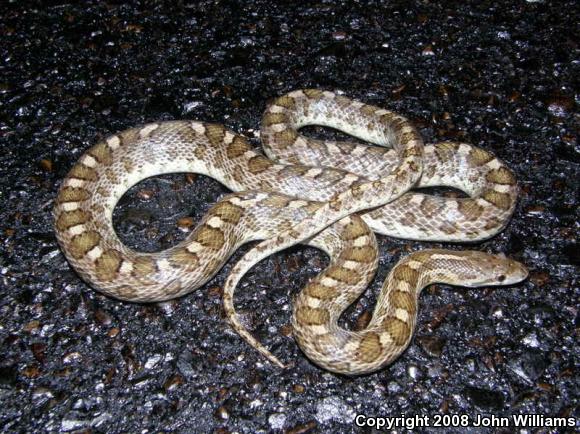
(500, 76)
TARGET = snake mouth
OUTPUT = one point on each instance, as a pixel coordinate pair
(517, 273)
(508, 272)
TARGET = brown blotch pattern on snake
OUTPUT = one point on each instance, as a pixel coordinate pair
(370, 348)
(107, 265)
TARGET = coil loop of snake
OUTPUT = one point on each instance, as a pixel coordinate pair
(327, 194)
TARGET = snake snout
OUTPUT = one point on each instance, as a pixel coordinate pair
(517, 272)
(507, 271)
(494, 269)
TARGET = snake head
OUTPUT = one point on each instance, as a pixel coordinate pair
(494, 270)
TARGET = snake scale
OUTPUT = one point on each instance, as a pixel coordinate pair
(327, 194)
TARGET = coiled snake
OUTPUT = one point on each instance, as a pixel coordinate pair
(327, 194)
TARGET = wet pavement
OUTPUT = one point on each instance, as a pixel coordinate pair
(504, 78)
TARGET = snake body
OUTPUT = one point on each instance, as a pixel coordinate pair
(327, 194)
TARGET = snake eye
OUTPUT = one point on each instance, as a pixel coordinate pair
(501, 278)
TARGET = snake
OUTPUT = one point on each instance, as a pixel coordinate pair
(329, 194)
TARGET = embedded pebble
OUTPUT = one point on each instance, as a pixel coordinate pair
(334, 408)
(277, 420)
